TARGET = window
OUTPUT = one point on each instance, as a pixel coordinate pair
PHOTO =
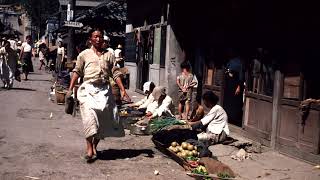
(293, 80)
(291, 87)
(260, 77)
(214, 76)
(130, 50)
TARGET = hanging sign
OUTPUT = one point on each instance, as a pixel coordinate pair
(73, 24)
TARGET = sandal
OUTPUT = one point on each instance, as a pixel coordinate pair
(88, 159)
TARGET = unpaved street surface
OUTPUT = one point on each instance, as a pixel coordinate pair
(33, 145)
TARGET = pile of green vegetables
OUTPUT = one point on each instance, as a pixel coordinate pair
(160, 123)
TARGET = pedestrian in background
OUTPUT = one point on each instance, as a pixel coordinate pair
(118, 56)
(8, 64)
(107, 44)
(25, 57)
(42, 57)
(60, 57)
(234, 86)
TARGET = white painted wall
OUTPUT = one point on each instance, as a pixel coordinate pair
(132, 68)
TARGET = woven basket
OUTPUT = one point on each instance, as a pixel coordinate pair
(60, 97)
(69, 65)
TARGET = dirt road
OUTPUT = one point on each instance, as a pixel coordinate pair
(34, 145)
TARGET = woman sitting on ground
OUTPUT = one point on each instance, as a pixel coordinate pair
(214, 124)
(148, 99)
(162, 104)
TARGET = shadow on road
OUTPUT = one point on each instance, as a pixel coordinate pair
(23, 89)
(41, 80)
(113, 154)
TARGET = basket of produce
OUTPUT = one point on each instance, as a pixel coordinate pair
(185, 154)
(69, 65)
(60, 97)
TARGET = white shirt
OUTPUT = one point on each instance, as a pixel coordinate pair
(26, 47)
(117, 53)
(13, 44)
(8, 57)
(164, 108)
(217, 120)
(144, 103)
(41, 55)
(110, 50)
(60, 50)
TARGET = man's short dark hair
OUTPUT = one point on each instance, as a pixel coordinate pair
(210, 97)
(185, 65)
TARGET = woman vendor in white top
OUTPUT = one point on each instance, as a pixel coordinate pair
(148, 99)
(215, 124)
(162, 104)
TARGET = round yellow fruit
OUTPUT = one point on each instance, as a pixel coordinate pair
(179, 154)
(184, 145)
(195, 148)
(174, 144)
(183, 154)
(190, 147)
(180, 148)
(175, 150)
(190, 153)
(195, 153)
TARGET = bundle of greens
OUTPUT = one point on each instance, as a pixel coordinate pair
(160, 123)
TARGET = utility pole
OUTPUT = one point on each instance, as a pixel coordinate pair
(71, 45)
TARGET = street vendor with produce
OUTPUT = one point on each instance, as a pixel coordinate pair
(162, 104)
(215, 124)
(148, 99)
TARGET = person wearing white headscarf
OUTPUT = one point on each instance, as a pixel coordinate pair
(107, 44)
(148, 99)
(162, 104)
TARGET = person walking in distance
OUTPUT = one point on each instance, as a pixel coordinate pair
(60, 57)
(9, 62)
(25, 57)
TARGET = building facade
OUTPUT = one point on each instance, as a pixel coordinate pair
(15, 21)
(278, 59)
